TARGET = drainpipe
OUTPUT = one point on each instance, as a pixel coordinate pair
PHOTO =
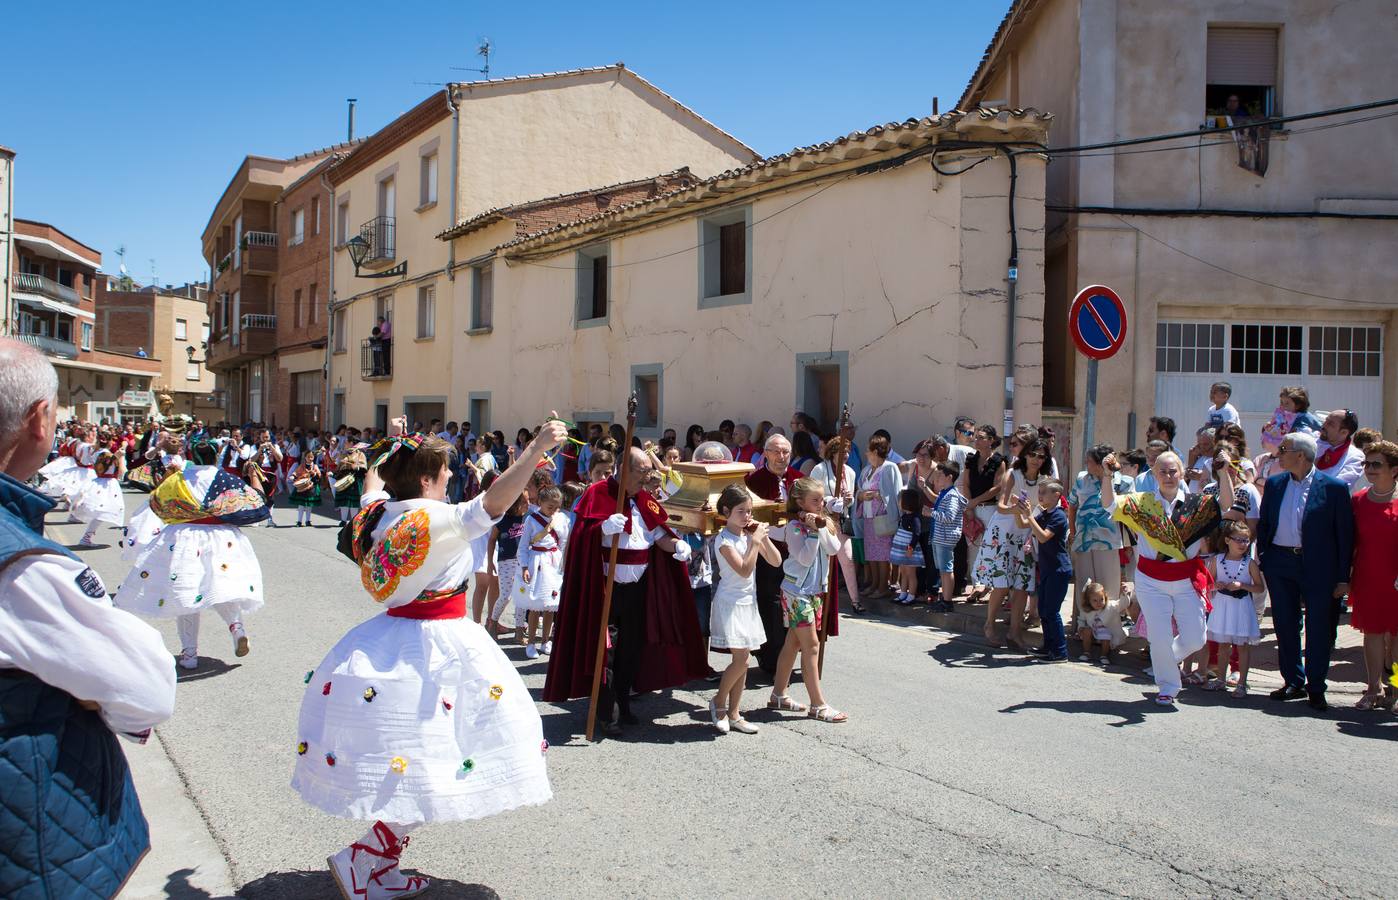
(1012, 276)
(455, 161)
(330, 301)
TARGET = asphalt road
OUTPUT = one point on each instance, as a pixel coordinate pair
(961, 772)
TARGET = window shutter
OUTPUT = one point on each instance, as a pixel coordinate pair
(1243, 56)
(732, 266)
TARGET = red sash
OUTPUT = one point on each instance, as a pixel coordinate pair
(1192, 570)
(432, 605)
(1332, 457)
(627, 557)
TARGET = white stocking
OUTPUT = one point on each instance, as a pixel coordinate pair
(91, 530)
(229, 613)
(188, 628)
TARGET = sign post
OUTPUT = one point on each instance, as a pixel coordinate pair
(1097, 322)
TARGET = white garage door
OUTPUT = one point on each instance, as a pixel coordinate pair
(1339, 365)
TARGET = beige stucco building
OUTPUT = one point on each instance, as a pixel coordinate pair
(462, 151)
(1262, 280)
(850, 271)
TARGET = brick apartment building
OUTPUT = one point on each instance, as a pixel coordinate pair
(267, 248)
(171, 324)
(51, 286)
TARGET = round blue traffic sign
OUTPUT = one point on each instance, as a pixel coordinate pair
(1097, 321)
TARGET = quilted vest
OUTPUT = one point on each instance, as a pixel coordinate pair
(70, 823)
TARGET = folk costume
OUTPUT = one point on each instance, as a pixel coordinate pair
(159, 464)
(72, 823)
(100, 500)
(541, 557)
(200, 558)
(85, 455)
(767, 485)
(654, 627)
(350, 468)
(415, 715)
(59, 471)
(305, 489)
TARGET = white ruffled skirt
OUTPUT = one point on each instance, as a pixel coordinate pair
(100, 501)
(1233, 620)
(544, 588)
(141, 531)
(418, 721)
(77, 481)
(58, 475)
(190, 567)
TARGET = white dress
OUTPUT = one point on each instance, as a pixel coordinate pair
(419, 720)
(1233, 619)
(58, 474)
(141, 530)
(100, 499)
(85, 455)
(541, 555)
(186, 567)
(734, 623)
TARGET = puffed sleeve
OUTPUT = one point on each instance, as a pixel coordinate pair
(470, 518)
(57, 624)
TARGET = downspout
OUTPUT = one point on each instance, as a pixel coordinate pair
(329, 304)
(455, 162)
(1012, 276)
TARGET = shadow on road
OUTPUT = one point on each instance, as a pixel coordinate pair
(320, 886)
(566, 728)
(966, 654)
(208, 668)
(1128, 712)
(177, 887)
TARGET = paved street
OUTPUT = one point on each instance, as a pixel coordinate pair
(960, 773)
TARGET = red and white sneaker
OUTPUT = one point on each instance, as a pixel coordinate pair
(368, 868)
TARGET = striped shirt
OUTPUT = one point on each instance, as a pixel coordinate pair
(946, 517)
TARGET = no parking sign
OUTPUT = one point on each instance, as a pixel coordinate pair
(1097, 321)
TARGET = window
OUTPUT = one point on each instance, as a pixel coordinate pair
(645, 381)
(65, 277)
(1345, 351)
(255, 391)
(388, 196)
(1242, 63)
(87, 336)
(1265, 349)
(482, 298)
(1188, 347)
(99, 382)
(238, 241)
(298, 227)
(725, 258)
(479, 406)
(591, 302)
(427, 187)
(296, 308)
(315, 214)
(426, 311)
(337, 329)
(383, 309)
(181, 330)
(822, 386)
(342, 222)
(191, 371)
(306, 391)
(205, 330)
(315, 303)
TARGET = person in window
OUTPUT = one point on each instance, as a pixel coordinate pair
(386, 337)
(376, 351)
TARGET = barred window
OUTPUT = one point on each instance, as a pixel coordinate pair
(1188, 347)
(1345, 350)
(1266, 350)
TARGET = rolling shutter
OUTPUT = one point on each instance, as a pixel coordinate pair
(1242, 56)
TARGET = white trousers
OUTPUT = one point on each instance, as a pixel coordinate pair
(1161, 602)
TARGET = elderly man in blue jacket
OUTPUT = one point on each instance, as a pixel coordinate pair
(1305, 539)
(75, 672)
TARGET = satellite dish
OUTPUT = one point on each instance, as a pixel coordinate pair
(122, 268)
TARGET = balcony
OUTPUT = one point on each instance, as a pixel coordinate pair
(260, 252)
(378, 234)
(254, 337)
(38, 284)
(375, 359)
(51, 346)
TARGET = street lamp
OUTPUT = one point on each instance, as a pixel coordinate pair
(359, 251)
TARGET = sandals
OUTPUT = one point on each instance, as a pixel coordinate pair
(1194, 679)
(1164, 700)
(1370, 700)
(826, 714)
(785, 704)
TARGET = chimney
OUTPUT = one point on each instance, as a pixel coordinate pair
(350, 130)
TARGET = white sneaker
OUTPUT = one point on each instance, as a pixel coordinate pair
(531, 652)
(188, 659)
(547, 649)
(240, 639)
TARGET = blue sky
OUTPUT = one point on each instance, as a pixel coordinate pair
(129, 119)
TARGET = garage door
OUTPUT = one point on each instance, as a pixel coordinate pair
(1339, 364)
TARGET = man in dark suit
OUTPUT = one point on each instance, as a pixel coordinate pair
(1305, 537)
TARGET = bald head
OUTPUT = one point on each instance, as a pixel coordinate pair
(639, 465)
(777, 454)
(28, 408)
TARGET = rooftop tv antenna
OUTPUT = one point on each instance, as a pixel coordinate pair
(483, 51)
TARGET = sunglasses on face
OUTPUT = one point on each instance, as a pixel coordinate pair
(1239, 539)
(1039, 455)
(966, 433)
(1374, 463)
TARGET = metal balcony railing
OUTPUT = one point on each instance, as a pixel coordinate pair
(375, 358)
(378, 234)
(51, 346)
(260, 238)
(258, 320)
(24, 281)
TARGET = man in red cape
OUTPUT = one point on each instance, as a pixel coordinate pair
(656, 642)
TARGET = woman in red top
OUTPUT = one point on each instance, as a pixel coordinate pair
(1373, 592)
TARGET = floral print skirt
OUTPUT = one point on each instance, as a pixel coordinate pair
(1006, 560)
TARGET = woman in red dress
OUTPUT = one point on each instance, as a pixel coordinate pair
(1374, 583)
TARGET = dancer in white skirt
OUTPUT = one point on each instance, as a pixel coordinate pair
(541, 569)
(100, 501)
(85, 455)
(200, 558)
(735, 626)
(416, 715)
(59, 471)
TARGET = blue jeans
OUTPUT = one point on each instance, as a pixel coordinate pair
(1290, 602)
(1053, 588)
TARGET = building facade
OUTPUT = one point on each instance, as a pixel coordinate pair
(1260, 257)
(264, 228)
(461, 152)
(170, 325)
(52, 287)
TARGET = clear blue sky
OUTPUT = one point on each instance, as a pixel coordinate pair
(129, 119)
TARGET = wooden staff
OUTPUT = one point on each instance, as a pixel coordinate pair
(611, 569)
(832, 596)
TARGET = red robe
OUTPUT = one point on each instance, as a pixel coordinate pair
(764, 485)
(674, 652)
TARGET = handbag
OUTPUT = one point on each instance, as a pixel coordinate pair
(905, 550)
(972, 528)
